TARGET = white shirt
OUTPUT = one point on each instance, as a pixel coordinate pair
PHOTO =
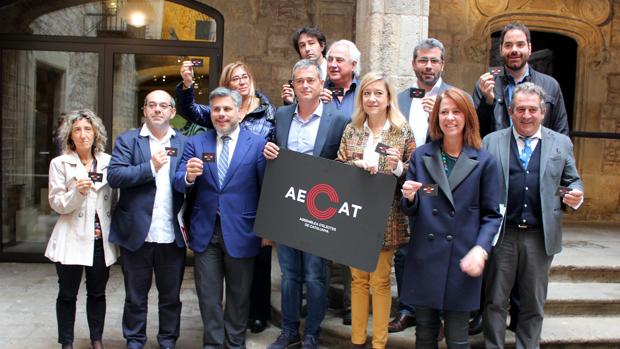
(324, 69)
(232, 143)
(418, 118)
(162, 227)
(371, 156)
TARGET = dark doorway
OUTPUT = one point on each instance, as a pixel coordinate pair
(552, 54)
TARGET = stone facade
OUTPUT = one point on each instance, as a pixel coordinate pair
(465, 28)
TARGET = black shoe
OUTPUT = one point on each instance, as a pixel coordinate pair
(475, 324)
(257, 326)
(346, 317)
(284, 342)
(400, 323)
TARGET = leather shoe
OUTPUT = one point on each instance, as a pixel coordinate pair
(257, 326)
(475, 324)
(400, 323)
(346, 317)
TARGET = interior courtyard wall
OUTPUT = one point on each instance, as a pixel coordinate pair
(465, 28)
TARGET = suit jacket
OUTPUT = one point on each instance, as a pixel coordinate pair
(328, 137)
(236, 200)
(130, 170)
(74, 233)
(557, 167)
(465, 213)
(495, 117)
(404, 102)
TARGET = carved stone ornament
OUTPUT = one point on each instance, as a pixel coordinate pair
(595, 11)
(491, 7)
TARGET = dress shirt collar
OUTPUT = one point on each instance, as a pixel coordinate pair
(537, 135)
(434, 90)
(145, 132)
(316, 113)
(234, 135)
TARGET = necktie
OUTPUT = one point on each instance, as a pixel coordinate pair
(222, 161)
(526, 153)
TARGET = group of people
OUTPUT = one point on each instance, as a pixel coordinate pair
(474, 223)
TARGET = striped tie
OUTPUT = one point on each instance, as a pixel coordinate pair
(222, 162)
(526, 153)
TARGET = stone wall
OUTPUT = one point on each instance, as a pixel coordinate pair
(465, 28)
(259, 33)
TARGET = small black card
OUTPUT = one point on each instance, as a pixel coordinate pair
(416, 92)
(337, 91)
(290, 83)
(428, 190)
(95, 176)
(208, 157)
(495, 71)
(382, 148)
(171, 151)
(197, 62)
(561, 191)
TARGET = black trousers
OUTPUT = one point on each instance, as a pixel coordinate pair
(260, 295)
(167, 261)
(427, 328)
(69, 279)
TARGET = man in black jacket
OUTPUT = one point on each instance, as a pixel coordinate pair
(493, 90)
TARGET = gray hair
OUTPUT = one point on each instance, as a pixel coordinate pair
(354, 54)
(304, 64)
(528, 88)
(428, 44)
(172, 102)
(225, 92)
(66, 128)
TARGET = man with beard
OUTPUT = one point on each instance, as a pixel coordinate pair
(427, 64)
(493, 90)
(224, 168)
(492, 98)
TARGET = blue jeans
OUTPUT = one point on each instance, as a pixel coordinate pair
(399, 267)
(298, 267)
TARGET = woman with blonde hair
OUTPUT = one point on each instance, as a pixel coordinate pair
(79, 192)
(376, 119)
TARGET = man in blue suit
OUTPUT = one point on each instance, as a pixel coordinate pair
(537, 176)
(144, 223)
(428, 63)
(312, 128)
(224, 167)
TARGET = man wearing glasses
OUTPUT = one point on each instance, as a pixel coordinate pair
(144, 223)
(416, 104)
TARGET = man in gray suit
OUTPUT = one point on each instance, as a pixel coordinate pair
(537, 175)
(428, 63)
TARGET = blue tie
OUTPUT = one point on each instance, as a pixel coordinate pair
(526, 153)
(222, 162)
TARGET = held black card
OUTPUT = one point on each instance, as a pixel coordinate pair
(337, 91)
(171, 151)
(382, 148)
(197, 62)
(95, 176)
(428, 190)
(495, 71)
(416, 92)
(561, 191)
(208, 157)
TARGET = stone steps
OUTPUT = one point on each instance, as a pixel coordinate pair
(583, 299)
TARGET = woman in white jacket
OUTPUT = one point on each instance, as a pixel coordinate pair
(79, 192)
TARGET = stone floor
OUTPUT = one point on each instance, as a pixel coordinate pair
(28, 292)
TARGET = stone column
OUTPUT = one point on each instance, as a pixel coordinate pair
(386, 33)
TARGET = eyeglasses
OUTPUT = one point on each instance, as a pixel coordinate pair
(162, 105)
(424, 61)
(237, 78)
